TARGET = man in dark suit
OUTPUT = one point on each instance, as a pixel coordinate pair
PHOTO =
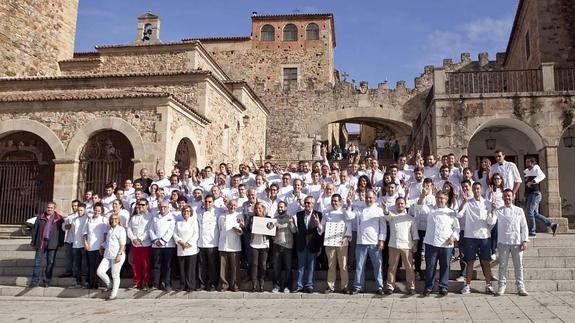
(47, 237)
(308, 242)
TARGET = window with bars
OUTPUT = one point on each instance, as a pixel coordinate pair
(268, 33)
(290, 32)
(312, 32)
(290, 78)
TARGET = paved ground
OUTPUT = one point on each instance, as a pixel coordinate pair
(538, 307)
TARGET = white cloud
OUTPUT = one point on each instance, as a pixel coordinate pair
(482, 35)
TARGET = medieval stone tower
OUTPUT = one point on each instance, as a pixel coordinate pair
(35, 35)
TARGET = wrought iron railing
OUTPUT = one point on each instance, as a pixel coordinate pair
(565, 79)
(504, 81)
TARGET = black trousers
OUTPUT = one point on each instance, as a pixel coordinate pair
(80, 267)
(258, 265)
(94, 259)
(188, 277)
(162, 266)
(417, 258)
(209, 270)
(282, 261)
(69, 260)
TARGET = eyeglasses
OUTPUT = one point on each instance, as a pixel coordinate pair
(307, 202)
(142, 204)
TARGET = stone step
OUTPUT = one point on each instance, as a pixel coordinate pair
(16, 286)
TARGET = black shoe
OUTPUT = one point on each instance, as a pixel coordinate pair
(308, 290)
(554, 228)
(46, 284)
(344, 291)
(388, 291)
(411, 291)
(328, 291)
(354, 291)
(426, 292)
(443, 292)
(33, 285)
(297, 290)
(532, 235)
(212, 289)
(379, 292)
(168, 289)
(65, 275)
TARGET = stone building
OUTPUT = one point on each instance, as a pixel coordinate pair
(103, 115)
(204, 100)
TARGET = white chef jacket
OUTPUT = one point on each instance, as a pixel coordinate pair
(77, 230)
(420, 213)
(337, 216)
(161, 228)
(442, 224)
(508, 172)
(294, 203)
(138, 228)
(208, 225)
(402, 230)
(229, 239)
(478, 219)
(114, 239)
(187, 231)
(95, 229)
(511, 225)
(371, 225)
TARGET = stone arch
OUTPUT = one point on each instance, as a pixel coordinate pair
(188, 134)
(394, 118)
(35, 127)
(516, 124)
(109, 123)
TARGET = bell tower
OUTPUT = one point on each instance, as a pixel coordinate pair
(148, 29)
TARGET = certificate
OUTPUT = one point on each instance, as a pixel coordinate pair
(334, 234)
(263, 225)
(231, 221)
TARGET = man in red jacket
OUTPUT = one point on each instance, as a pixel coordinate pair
(47, 237)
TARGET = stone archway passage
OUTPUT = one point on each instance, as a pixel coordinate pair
(26, 176)
(106, 157)
(185, 155)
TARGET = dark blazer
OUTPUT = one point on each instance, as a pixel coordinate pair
(305, 238)
(56, 239)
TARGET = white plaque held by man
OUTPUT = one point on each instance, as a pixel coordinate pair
(334, 232)
(263, 225)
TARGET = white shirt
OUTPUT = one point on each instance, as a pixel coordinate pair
(283, 191)
(294, 203)
(414, 193)
(402, 230)
(271, 206)
(76, 231)
(162, 229)
(371, 227)
(508, 172)
(68, 220)
(229, 239)
(478, 218)
(511, 225)
(115, 238)
(536, 172)
(248, 180)
(187, 231)
(420, 213)
(273, 178)
(161, 183)
(442, 224)
(431, 172)
(95, 230)
(137, 228)
(107, 202)
(337, 216)
(208, 225)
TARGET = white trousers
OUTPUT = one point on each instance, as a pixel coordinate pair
(517, 257)
(116, 268)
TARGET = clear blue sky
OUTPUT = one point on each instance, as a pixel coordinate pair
(377, 40)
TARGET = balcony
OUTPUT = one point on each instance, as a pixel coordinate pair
(505, 81)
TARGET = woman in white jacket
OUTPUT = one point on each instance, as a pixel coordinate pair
(114, 256)
(186, 237)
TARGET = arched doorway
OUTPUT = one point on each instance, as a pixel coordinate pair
(566, 159)
(516, 145)
(106, 157)
(185, 155)
(26, 176)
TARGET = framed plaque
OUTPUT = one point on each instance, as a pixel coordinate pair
(263, 225)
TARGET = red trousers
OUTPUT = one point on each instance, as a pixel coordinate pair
(141, 259)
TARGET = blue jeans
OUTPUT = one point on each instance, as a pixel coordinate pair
(362, 251)
(532, 204)
(433, 255)
(305, 264)
(37, 272)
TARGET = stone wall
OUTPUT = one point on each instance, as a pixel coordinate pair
(551, 34)
(35, 35)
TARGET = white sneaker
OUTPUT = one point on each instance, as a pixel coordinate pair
(460, 279)
(489, 290)
(522, 292)
(466, 289)
(494, 257)
(286, 290)
(276, 290)
(500, 291)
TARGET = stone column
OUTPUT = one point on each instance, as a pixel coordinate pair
(65, 183)
(550, 191)
(439, 80)
(548, 71)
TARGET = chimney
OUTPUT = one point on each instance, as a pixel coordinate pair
(483, 59)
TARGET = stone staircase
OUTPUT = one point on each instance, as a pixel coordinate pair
(549, 266)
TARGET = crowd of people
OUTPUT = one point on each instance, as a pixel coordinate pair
(202, 222)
